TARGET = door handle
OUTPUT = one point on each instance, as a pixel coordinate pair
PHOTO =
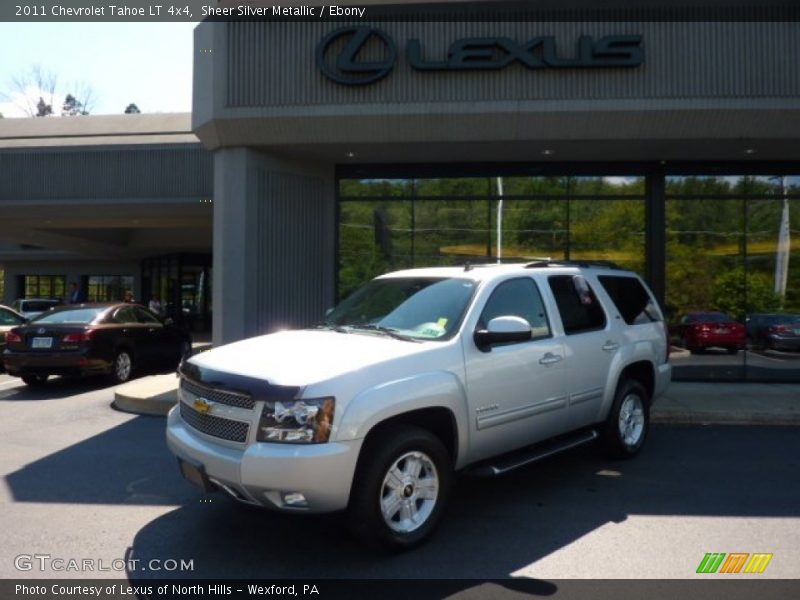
(610, 346)
(550, 359)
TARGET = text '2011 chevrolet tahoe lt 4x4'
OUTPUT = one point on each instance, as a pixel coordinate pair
(417, 375)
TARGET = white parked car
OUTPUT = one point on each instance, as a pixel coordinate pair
(417, 375)
(30, 308)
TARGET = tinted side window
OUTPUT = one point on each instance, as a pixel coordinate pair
(518, 298)
(579, 312)
(145, 317)
(632, 300)
(124, 315)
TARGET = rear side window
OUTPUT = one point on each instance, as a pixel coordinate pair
(631, 299)
(578, 306)
(38, 305)
(145, 317)
(125, 315)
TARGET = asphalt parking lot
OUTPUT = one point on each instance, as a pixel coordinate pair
(82, 480)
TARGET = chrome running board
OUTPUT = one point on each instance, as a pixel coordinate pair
(519, 458)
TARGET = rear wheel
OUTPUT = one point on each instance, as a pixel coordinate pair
(122, 369)
(400, 489)
(35, 380)
(625, 430)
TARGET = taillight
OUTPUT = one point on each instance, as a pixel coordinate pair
(780, 329)
(13, 337)
(77, 338)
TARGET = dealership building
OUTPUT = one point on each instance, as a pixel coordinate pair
(319, 153)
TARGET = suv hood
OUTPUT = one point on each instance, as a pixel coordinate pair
(304, 357)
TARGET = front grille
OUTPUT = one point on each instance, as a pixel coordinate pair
(220, 396)
(226, 429)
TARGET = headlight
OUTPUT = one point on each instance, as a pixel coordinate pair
(306, 421)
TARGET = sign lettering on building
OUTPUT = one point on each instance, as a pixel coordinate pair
(340, 54)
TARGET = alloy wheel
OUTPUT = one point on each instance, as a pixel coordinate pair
(409, 492)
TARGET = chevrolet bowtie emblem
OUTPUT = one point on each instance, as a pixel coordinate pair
(202, 405)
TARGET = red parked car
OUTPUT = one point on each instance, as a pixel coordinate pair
(701, 330)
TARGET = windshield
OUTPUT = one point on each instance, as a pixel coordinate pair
(78, 315)
(711, 318)
(416, 307)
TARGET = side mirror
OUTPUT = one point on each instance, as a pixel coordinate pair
(503, 330)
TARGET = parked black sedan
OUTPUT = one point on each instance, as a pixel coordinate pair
(87, 339)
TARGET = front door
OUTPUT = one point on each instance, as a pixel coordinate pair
(515, 390)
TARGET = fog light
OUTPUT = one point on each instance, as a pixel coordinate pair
(294, 499)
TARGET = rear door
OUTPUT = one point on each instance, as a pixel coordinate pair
(590, 344)
(129, 332)
(157, 342)
(515, 390)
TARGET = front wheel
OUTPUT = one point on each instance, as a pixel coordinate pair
(628, 422)
(401, 487)
(122, 369)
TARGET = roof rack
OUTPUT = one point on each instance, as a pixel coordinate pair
(539, 264)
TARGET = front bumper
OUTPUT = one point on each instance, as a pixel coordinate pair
(263, 473)
(78, 362)
(780, 342)
(707, 340)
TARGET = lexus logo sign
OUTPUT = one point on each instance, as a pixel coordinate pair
(345, 68)
(361, 55)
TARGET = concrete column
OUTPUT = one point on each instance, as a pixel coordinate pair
(9, 286)
(274, 243)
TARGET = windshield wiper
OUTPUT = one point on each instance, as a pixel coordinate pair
(332, 327)
(385, 330)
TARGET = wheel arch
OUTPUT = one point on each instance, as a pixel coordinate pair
(643, 372)
(438, 420)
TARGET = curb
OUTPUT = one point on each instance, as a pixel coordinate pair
(712, 418)
(158, 405)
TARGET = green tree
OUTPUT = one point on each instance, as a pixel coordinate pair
(72, 107)
(132, 109)
(738, 294)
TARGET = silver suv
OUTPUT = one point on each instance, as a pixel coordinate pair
(417, 375)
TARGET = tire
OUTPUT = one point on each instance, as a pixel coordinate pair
(387, 510)
(732, 349)
(35, 381)
(625, 431)
(122, 367)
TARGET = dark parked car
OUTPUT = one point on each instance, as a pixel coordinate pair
(9, 318)
(86, 339)
(701, 330)
(777, 331)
